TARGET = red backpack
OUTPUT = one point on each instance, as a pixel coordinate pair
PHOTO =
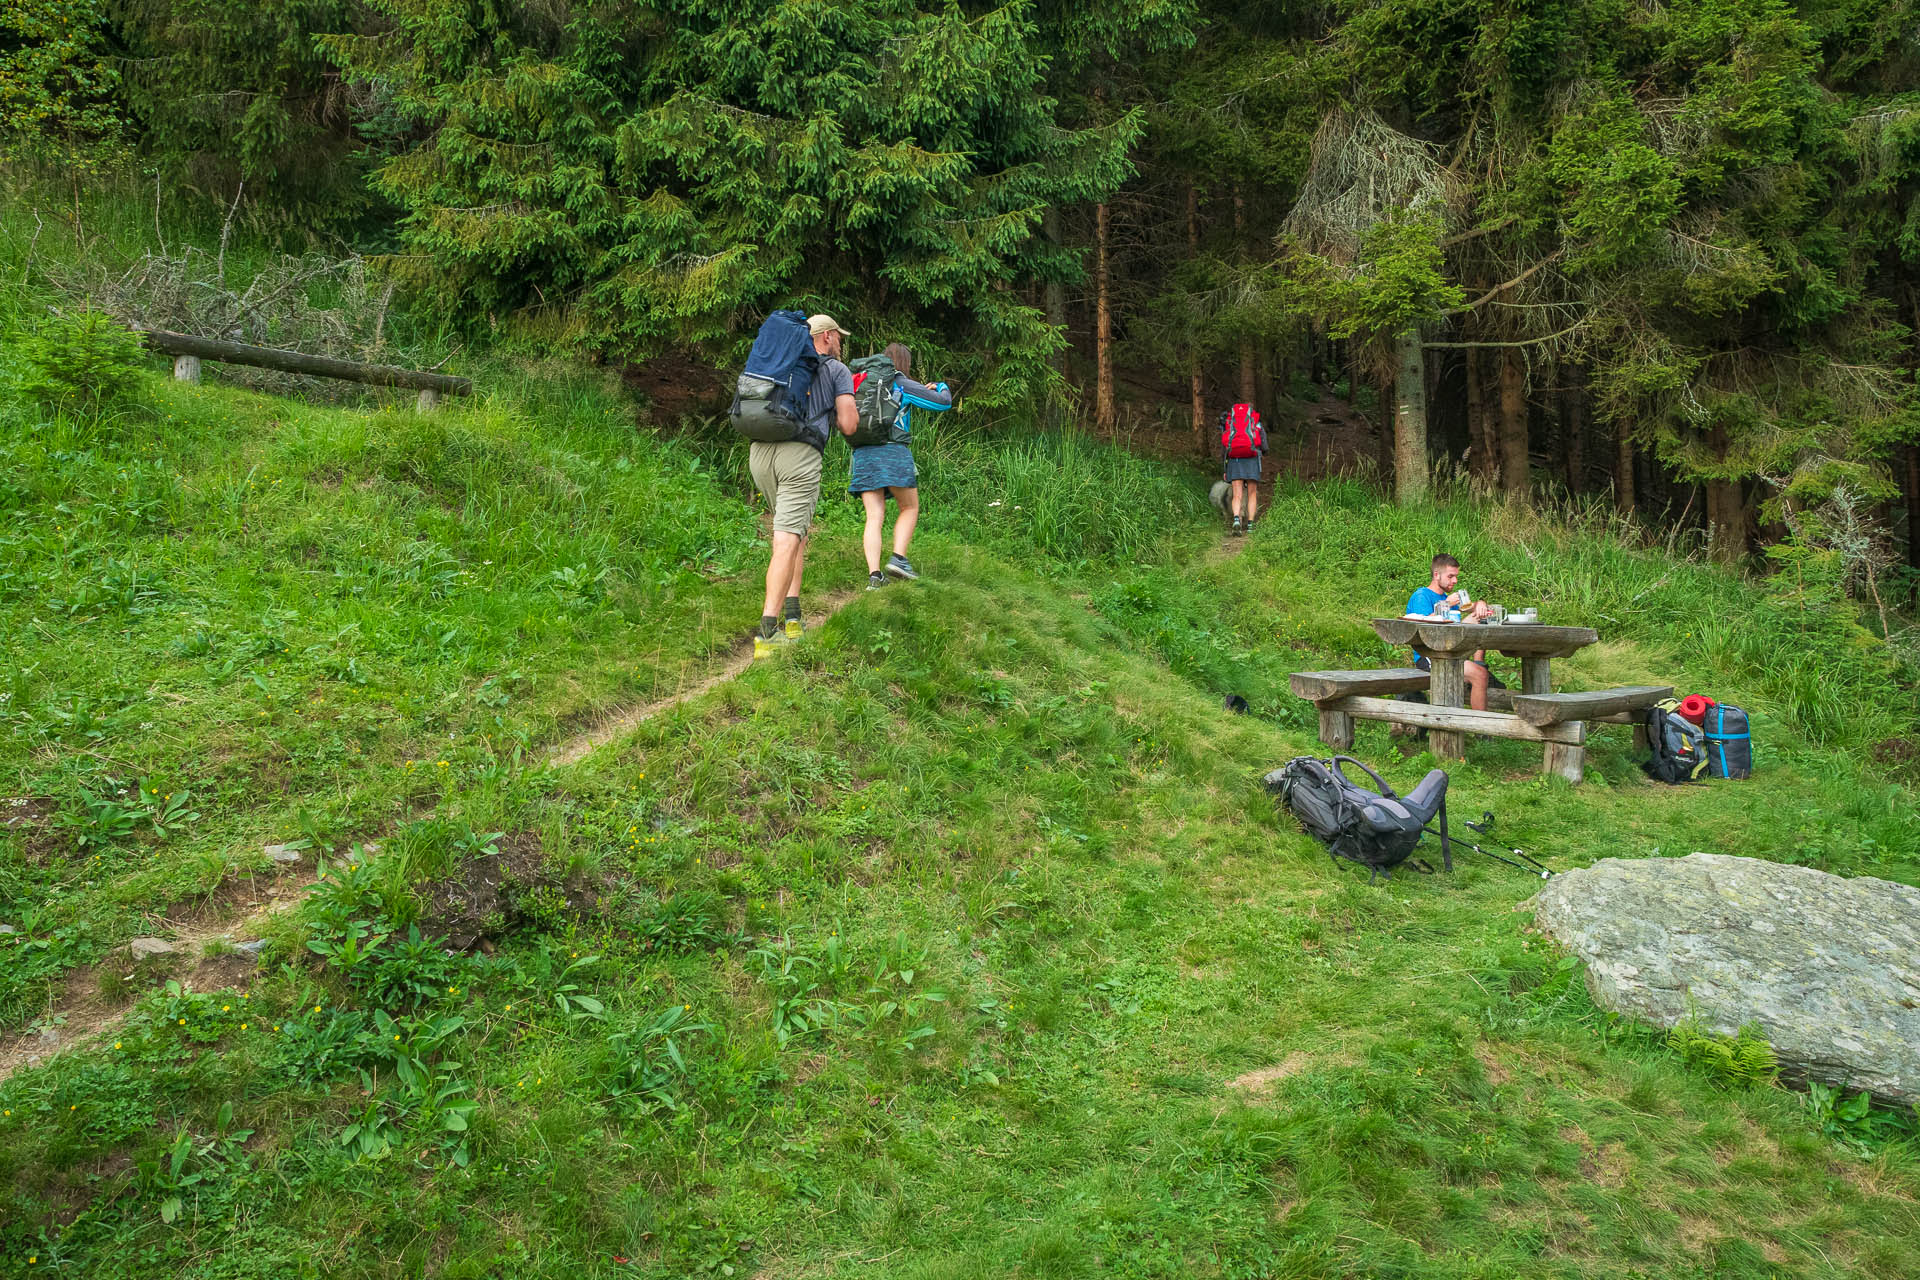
(1240, 432)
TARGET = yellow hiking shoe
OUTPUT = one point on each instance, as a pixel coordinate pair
(767, 646)
(795, 628)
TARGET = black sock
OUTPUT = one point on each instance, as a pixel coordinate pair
(768, 625)
(793, 607)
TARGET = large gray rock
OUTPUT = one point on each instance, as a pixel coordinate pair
(1828, 967)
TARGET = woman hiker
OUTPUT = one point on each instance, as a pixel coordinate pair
(883, 469)
(1242, 442)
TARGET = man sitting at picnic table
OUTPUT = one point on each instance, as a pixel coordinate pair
(1432, 602)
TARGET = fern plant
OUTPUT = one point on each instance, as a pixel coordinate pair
(1737, 1061)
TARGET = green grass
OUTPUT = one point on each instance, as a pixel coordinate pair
(958, 942)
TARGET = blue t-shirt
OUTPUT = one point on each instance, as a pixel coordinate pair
(1420, 604)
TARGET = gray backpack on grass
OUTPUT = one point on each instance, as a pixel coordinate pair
(1377, 829)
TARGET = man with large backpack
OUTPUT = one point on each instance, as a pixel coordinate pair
(1243, 441)
(787, 473)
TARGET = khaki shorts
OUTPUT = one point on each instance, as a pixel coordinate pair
(788, 473)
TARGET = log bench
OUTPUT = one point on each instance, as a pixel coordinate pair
(1556, 720)
(1326, 688)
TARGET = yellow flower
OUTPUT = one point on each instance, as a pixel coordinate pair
(243, 1026)
(183, 1022)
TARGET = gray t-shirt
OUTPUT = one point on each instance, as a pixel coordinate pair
(833, 381)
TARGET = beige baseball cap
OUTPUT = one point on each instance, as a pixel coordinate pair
(824, 324)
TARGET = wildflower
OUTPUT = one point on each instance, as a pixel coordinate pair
(116, 1044)
(183, 1022)
(243, 1026)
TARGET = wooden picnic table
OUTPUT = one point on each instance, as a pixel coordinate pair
(1448, 646)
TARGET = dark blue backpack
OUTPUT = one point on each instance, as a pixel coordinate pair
(1729, 742)
(770, 398)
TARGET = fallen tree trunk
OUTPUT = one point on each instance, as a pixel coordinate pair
(170, 343)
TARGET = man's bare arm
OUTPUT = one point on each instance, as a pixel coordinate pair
(848, 416)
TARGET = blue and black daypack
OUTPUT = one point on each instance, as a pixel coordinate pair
(1677, 744)
(1729, 742)
(770, 398)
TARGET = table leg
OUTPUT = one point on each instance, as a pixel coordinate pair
(1534, 675)
(1448, 688)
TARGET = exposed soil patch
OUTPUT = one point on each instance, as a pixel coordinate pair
(490, 896)
(1497, 1072)
(32, 817)
(26, 811)
(1261, 1083)
(233, 911)
(1608, 1167)
(678, 384)
(1899, 756)
(620, 723)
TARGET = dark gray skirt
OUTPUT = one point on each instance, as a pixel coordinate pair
(883, 466)
(1241, 469)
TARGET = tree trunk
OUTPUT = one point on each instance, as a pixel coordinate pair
(1383, 433)
(1623, 487)
(1053, 293)
(1912, 488)
(1573, 428)
(1726, 513)
(1246, 339)
(1513, 423)
(1103, 410)
(1196, 390)
(1409, 418)
(1479, 454)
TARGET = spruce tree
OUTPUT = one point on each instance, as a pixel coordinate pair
(636, 176)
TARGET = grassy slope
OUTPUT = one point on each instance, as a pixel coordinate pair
(1013, 792)
(990, 782)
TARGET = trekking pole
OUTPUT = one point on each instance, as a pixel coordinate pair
(1544, 872)
(1485, 828)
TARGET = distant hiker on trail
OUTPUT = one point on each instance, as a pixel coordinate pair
(1242, 443)
(883, 455)
(1438, 600)
(787, 472)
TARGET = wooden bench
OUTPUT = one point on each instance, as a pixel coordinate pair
(1558, 720)
(1615, 705)
(1325, 688)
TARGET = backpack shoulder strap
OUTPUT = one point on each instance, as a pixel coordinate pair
(1385, 790)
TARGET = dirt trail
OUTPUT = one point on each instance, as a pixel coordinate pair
(83, 1013)
(620, 723)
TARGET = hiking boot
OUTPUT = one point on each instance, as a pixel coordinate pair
(1250, 525)
(794, 628)
(767, 646)
(876, 580)
(899, 568)
(1238, 528)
